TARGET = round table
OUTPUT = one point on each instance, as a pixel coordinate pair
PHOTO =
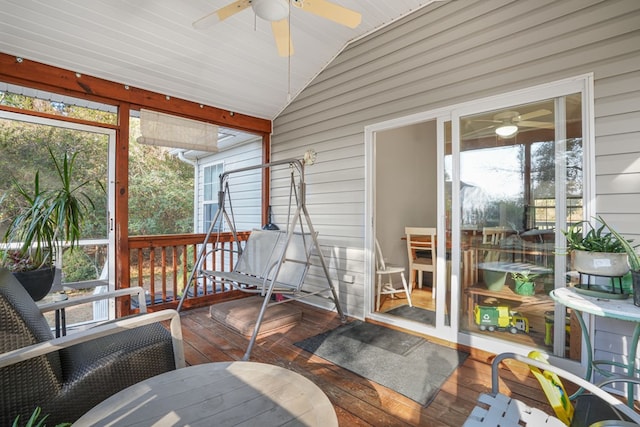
(220, 394)
(605, 306)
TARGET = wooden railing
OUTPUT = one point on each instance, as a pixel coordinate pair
(162, 265)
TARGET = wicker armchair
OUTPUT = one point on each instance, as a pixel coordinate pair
(67, 376)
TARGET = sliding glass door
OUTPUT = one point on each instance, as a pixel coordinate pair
(500, 178)
(520, 184)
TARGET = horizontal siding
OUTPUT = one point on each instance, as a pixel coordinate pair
(245, 188)
(612, 342)
(452, 52)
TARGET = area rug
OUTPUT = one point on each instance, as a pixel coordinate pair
(408, 364)
(416, 314)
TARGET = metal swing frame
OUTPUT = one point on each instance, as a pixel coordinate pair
(268, 283)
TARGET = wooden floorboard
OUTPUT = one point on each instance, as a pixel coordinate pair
(357, 401)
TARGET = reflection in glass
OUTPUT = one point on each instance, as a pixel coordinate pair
(509, 186)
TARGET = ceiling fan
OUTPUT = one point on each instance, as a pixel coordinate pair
(278, 12)
(506, 124)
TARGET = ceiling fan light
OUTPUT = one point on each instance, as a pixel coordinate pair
(506, 131)
(271, 10)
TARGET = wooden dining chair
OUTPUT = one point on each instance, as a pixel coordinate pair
(384, 273)
(421, 251)
(493, 235)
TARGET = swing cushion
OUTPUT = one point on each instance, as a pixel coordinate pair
(241, 314)
(262, 253)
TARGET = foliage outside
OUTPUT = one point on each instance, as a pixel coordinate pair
(160, 185)
(78, 266)
(160, 190)
(47, 218)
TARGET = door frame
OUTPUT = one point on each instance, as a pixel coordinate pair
(440, 330)
(578, 84)
(110, 188)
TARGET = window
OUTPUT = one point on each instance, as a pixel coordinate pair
(210, 195)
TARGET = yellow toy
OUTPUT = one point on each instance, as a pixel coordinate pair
(499, 317)
(553, 388)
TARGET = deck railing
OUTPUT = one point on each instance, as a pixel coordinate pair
(162, 265)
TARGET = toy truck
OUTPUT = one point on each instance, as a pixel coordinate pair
(500, 317)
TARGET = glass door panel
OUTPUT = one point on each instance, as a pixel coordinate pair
(26, 141)
(520, 184)
(406, 183)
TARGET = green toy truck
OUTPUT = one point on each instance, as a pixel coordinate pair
(500, 318)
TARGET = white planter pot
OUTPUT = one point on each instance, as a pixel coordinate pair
(600, 263)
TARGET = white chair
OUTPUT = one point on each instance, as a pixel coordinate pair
(383, 270)
(421, 250)
(593, 407)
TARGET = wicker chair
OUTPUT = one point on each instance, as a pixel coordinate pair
(67, 376)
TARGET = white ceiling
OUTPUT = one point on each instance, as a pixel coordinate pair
(151, 44)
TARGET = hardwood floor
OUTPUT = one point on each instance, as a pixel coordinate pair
(358, 402)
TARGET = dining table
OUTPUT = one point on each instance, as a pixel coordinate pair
(217, 394)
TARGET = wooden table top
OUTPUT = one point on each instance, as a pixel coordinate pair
(505, 293)
(220, 394)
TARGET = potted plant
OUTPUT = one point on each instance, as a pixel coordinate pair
(47, 219)
(596, 251)
(524, 284)
(633, 259)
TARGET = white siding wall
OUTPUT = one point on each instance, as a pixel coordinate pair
(444, 54)
(245, 188)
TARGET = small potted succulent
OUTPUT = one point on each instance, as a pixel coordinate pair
(524, 282)
(633, 260)
(596, 250)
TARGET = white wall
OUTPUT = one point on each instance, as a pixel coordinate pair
(406, 184)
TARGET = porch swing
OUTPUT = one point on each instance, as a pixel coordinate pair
(272, 261)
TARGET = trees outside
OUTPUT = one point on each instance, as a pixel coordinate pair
(160, 185)
(160, 189)
(24, 152)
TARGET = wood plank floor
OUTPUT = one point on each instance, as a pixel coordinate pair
(358, 402)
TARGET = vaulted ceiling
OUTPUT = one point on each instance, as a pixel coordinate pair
(152, 44)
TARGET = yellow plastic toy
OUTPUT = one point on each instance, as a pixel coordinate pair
(553, 388)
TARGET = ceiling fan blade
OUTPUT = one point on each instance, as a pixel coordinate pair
(534, 114)
(488, 130)
(281, 34)
(221, 14)
(539, 125)
(331, 11)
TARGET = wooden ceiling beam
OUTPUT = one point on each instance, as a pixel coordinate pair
(35, 74)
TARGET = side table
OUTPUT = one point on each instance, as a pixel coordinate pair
(60, 315)
(621, 309)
